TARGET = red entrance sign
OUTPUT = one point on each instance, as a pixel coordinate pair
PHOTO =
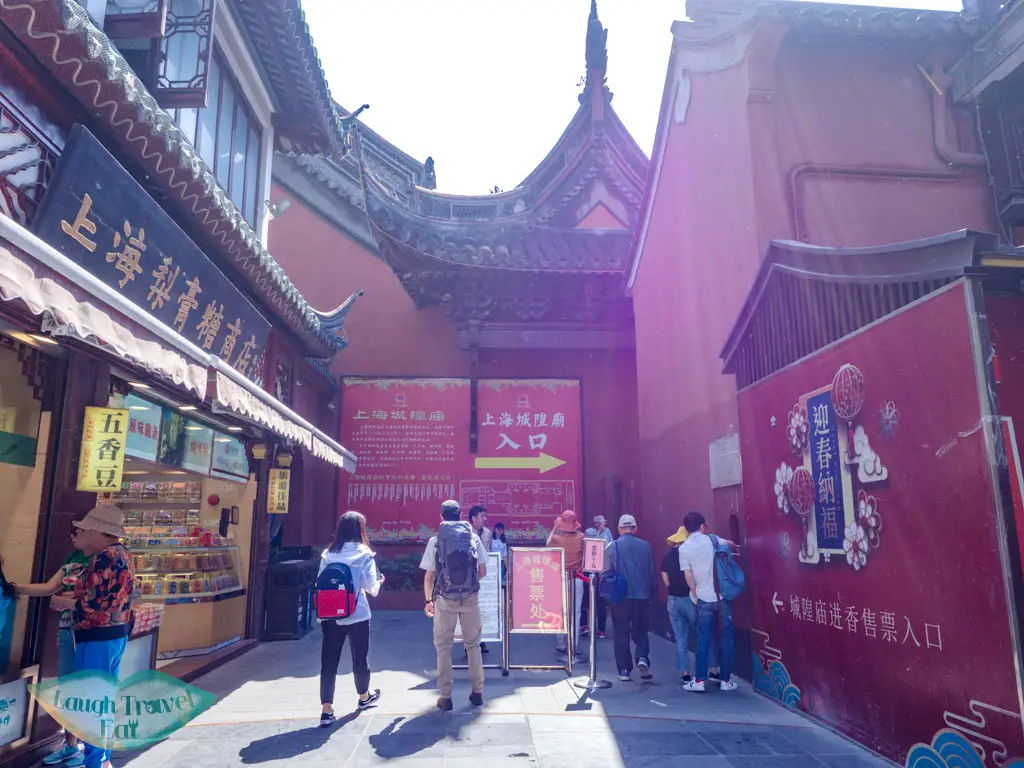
(411, 439)
(873, 541)
(527, 469)
(537, 591)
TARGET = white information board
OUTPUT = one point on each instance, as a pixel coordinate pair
(14, 704)
(491, 613)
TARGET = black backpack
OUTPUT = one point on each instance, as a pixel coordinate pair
(456, 566)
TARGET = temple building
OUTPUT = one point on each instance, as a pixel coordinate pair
(499, 295)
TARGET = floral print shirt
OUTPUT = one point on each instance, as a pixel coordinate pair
(103, 594)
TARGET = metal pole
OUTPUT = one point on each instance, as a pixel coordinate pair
(593, 684)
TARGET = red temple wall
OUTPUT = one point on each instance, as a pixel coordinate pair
(829, 142)
(389, 337)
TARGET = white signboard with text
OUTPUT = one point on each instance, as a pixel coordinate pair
(491, 603)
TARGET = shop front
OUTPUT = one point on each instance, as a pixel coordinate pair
(135, 375)
(184, 487)
(29, 388)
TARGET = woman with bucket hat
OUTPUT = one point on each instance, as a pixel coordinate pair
(102, 601)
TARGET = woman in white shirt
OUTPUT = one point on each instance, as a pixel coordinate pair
(349, 548)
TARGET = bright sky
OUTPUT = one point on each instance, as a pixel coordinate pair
(486, 87)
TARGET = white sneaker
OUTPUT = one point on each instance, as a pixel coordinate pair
(697, 686)
(728, 685)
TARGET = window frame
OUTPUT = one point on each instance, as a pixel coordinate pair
(255, 129)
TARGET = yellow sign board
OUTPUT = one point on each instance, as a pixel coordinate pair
(277, 491)
(101, 461)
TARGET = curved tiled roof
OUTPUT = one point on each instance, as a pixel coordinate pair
(278, 29)
(61, 35)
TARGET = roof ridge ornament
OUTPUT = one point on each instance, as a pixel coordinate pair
(596, 56)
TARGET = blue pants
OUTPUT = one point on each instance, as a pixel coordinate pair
(105, 656)
(65, 651)
(707, 613)
(683, 614)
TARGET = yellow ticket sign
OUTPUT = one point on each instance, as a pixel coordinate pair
(277, 492)
(101, 461)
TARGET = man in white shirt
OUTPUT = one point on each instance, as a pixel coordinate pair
(697, 562)
(453, 598)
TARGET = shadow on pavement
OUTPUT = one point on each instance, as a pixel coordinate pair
(408, 736)
(283, 746)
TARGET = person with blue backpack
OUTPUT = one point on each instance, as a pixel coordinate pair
(714, 577)
(348, 574)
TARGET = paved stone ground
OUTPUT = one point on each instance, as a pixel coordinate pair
(268, 708)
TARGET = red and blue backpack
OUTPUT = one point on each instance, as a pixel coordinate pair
(336, 594)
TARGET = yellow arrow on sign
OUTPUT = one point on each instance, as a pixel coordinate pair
(542, 462)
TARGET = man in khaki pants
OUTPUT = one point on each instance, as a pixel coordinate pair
(455, 561)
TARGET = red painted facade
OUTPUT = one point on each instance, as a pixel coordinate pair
(389, 337)
(823, 139)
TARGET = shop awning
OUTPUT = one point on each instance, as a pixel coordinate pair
(65, 314)
(74, 303)
(230, 394)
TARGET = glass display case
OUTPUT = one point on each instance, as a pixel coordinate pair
(177, 560)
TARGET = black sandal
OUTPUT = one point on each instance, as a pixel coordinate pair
(370, 700)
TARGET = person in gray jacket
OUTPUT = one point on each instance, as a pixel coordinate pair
(631, 557)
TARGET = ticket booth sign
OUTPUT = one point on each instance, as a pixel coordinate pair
(537, 591)
(593, 555)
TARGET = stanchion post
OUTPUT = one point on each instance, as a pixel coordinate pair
(593, 683)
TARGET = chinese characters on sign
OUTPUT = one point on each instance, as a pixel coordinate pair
(229, 459)
(491, 604)
(593, 555)
(411, 437)
(14, 704)
(827, 470)
(97, 215)
(408, 436)
(277, 491)
(878, 625)
(101, 460)
(537, 591)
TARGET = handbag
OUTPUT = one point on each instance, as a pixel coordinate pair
(613, 585)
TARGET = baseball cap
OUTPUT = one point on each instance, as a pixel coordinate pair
(627, 521)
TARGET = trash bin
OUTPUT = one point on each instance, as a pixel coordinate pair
(289, 605)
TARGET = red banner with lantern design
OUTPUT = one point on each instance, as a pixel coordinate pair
(876, 583)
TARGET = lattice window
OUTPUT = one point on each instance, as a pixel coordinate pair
(27, 160)
(185, 51)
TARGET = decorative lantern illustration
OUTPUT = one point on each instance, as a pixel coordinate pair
(801, 499)
(848, 399)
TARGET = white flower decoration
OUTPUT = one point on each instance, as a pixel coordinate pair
(798, 430)
(855, 544)
(870, 520)
(783, 475)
